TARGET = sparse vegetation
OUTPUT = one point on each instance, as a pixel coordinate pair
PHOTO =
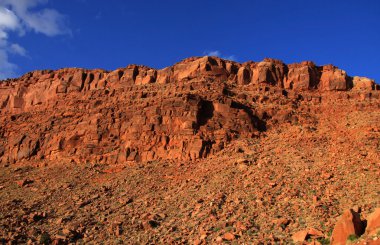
(324, 241)
(45, 238)
(352, 237)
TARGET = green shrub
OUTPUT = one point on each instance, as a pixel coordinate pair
(352, 237)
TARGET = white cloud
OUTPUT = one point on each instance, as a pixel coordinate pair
(219, 54)
(47, 21)
(214, 53)
(230, 57)
(8, 20)
(22, 16)
(17, 49)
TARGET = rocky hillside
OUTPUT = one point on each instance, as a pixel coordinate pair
(206, 151)
(190, 110)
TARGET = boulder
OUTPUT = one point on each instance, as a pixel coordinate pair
(349, 224)
(373, 222)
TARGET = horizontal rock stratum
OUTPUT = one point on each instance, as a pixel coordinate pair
(187, 111)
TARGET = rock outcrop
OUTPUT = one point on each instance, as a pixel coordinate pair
(373, 223)
(350, 228)
(302, 76)
(363, 83)
(333, 78)
(187, 111)
(348, 225)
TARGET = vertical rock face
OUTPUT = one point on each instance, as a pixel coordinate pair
(333, 78)
(186, 127)
(187, 111)
(269, 71)
(243, 76)
(302, 76)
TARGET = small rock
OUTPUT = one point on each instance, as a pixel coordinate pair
(60, 237)
(126, 201)
(314, 233)
(229, 236)
(315, 199)
(282, 222)
(81, 203)
(203, 237)
(303, 235)
(150, 224)
(219, 239)
(242, 161)
(197, 242)
(116, 229)
(66, 231)
(242, 167)
(24, 182)
(58, 241)
(326, 176)
(272, 184)
(364, 153)
(240, 226)
(300, 236)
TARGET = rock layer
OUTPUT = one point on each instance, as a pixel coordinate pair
(187, 111)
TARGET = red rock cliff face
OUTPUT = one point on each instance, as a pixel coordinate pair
(187, 111)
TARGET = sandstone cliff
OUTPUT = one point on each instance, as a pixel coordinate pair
(187, 111)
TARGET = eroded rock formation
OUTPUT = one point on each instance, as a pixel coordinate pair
(187, 111)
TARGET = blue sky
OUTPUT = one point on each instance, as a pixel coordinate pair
(51, 34)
